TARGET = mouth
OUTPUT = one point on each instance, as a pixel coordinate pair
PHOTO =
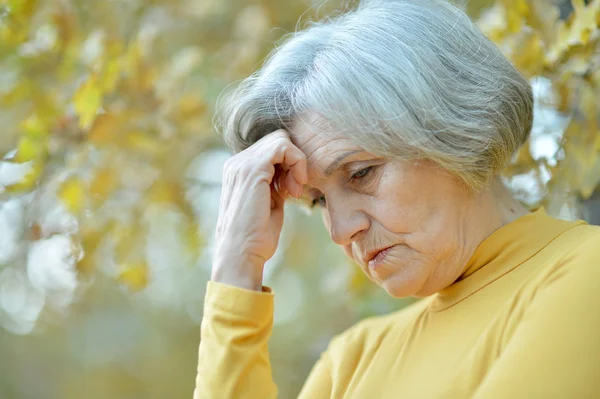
(375, 258)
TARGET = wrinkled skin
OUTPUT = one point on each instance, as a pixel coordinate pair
(368, 202)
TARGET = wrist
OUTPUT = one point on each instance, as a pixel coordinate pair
(237, 273)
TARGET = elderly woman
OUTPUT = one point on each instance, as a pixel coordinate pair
(396, 119)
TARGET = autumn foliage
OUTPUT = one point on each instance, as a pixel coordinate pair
(104, 104)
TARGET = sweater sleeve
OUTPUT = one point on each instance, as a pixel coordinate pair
(555, 350)
(233, 359)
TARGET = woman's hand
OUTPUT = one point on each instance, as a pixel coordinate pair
(256, 183)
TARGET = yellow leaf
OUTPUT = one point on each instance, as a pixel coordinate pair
(132, 59)
(143, 142)
(544, 18)
(146, 77)
(86, 264)
(193, 239)
(87, 100)
(105, 129)
(34, 127)
(72, 194)
(22, 8)
(125, 238)
(165, 193)
(585, 20)
(110, 75)
(90, 239)
(563, 96)
(134, 276)
(581, 26)
(577, 60)
(141, 76)
(65, 22)
(528, 53)
(190, 105)
(597, 142)
(516, 13)
(102, 185)
(588, 102)
(30, 149)
(589, 178)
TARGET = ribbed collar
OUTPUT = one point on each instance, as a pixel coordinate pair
(502, 251)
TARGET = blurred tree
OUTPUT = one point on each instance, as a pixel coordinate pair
(104, 105)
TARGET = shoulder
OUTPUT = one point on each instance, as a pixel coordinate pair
(367, 335)
(584, 237)
(579, 250)
(570, 268)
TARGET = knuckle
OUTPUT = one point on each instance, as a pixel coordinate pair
(280, 133)
(235, 163)
(230, 162)
(281, 136)
(244, 168)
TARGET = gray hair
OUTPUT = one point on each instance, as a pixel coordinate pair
(406, 79)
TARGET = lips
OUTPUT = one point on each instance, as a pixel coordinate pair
(377, 256)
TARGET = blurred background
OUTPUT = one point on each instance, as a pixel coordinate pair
(110, 181)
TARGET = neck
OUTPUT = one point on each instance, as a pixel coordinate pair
(495, 207)
(503, 204)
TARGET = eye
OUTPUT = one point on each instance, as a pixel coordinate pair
(361, 173)
(321, 201)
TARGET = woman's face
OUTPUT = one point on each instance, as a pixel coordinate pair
(370, 203)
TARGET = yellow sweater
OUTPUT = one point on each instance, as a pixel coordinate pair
(523, 321)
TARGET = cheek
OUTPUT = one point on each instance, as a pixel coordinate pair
(403, 208)
(348, 252)
(396, 215)
(394, 200)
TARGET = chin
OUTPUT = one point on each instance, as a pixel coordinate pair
(404, 285)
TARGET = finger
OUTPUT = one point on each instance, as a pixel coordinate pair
(290, 156)
(286, 183)
(279, 180)
(293, 186)
(297, 162)
(277, 200)
(283, 151)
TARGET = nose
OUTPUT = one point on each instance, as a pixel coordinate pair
(344, 221)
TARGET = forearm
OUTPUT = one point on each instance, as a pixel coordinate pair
(233, 359)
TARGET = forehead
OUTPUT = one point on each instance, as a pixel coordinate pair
(322, 146)
(317, 139)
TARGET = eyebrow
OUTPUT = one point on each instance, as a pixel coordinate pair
(339, 159)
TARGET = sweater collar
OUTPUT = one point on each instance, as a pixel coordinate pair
(502, 251)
